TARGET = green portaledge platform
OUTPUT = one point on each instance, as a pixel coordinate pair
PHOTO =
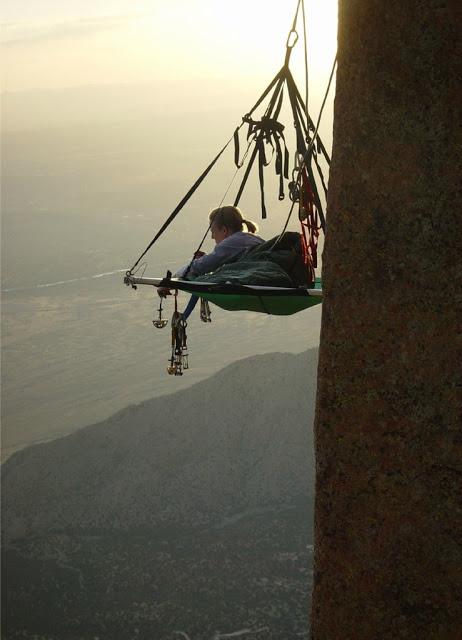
(279, 301)
(277, 305)
(274, 305)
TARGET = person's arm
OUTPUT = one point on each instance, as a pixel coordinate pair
(165, 291)
(179, 273)
(211, 261)
(207, 262)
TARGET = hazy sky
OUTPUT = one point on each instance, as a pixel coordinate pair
(54, 44)
(110, 111)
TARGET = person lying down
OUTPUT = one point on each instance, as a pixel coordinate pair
(243, 258)
(227, 228)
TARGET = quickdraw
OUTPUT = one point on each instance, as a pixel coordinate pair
(160, 322)
(310, 225)
(179, 358)
(206, 314)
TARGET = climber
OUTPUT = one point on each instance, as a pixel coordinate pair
(227, 228)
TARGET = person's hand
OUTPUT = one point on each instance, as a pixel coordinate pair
(163, 292)
(199, 254)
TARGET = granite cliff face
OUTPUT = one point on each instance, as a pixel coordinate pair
(388, 487)
(235, 442)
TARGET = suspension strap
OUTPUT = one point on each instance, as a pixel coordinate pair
(320, 173)
(282, 165)
(261, 164)
(269, 131)
(266, 91)
(265, 131)
(246, 175)
(181, 204)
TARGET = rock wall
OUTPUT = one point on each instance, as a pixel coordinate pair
(388, 417)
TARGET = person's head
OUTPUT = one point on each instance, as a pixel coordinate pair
(224, 221)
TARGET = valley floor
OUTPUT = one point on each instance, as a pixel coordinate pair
(251, 574)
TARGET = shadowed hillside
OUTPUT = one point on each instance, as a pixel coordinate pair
(193, 509)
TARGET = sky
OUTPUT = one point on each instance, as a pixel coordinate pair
(131, 92)
(110, 111)
(50, 44)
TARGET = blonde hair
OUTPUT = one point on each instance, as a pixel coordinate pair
(231, 217)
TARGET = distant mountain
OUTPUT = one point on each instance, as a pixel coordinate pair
(238, 442)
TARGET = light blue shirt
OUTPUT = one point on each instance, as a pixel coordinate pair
(226, 249)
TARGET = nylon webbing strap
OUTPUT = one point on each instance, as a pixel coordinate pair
(246, 175)
(236, 149)
(302, 148)
(266, 131)
(319, 143)
(269, 131)
(281, 165)
(266, 91)
(320, 173)
(316, 198)
(261, 164)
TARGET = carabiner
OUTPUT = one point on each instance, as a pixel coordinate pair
(288, 44)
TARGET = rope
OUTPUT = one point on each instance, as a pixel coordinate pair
(324, 101)
(305, 43)
(181, 204)
(221, 202)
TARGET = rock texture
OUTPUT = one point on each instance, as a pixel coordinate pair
(229, 445)
(388, 424)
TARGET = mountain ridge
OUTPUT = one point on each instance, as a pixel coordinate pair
(237, 441)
